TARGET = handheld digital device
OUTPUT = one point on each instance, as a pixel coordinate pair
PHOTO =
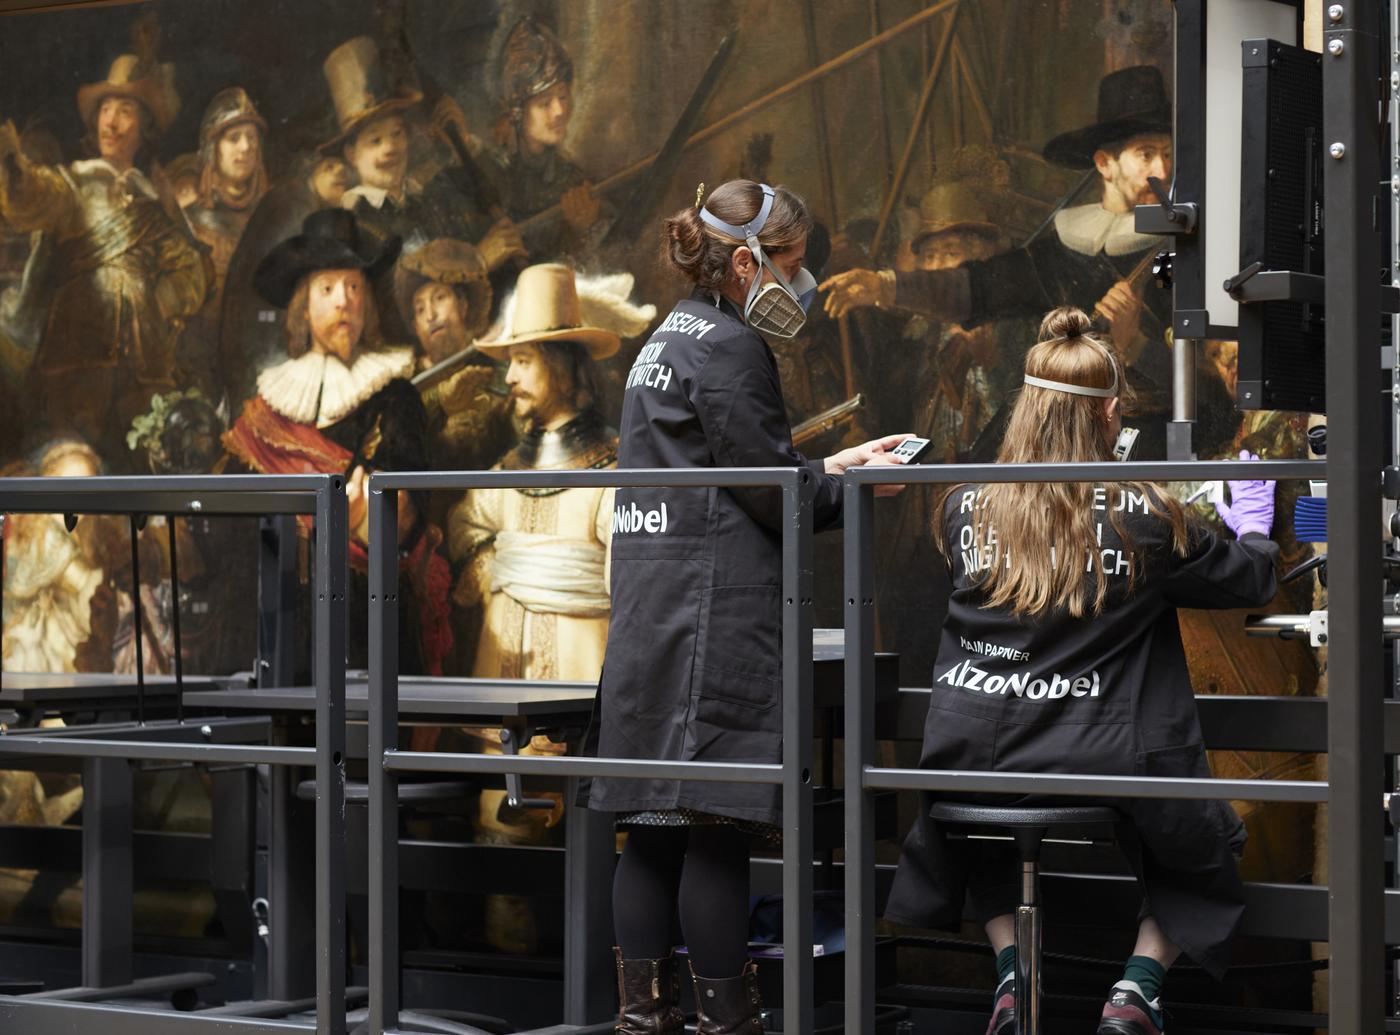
(1123, 448)
(911, 450)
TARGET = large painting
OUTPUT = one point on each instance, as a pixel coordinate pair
(172, 173)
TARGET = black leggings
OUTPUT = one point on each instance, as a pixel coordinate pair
(704, 870)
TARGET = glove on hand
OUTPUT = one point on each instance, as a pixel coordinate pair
(1251, 506)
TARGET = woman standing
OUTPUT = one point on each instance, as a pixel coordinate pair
(1061, 653)
(692, 669)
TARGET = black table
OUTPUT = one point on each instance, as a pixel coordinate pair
(523, 707)
(39, 692)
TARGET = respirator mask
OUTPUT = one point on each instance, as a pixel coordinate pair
(778, 307)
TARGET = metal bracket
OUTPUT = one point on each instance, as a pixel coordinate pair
(515, 791)
(1168, 216)
(1317, 628)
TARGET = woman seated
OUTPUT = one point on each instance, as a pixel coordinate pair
(1061, 653)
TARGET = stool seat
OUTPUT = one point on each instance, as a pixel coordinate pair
(1023, 815)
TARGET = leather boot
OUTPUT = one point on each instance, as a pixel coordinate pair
(648, 997)
(729, 1006)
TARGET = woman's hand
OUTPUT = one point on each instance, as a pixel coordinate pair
(1251, 506)
(874, 453)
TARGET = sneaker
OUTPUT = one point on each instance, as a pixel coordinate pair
(1129, 1012)
(1004, 1008)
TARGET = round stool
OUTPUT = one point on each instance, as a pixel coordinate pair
(1028, 826)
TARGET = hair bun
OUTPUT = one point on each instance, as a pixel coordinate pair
(1065, 322)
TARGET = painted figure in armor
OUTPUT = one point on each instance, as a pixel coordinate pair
(535, 83)
(231, 182)
(125, 276)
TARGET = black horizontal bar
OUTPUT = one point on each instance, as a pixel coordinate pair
(237, 504)
(694, 477)
(16, 744)
(1077, 785)
(1107, 471)
(559, 765)
(191, 483)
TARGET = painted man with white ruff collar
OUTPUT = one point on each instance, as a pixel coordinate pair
(343, 402)
(1088, 258)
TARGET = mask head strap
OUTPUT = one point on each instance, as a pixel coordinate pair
(748, 233)
(1110, 392)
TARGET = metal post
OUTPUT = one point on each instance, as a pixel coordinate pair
(1183, 420)
(277, 600)
(859, 519)
(291, 880)
(1028, 946)
(798, 1008)
(171, 524)
(590, 854)
(1351, 73)
(384, 1002)
(137, 634)
(328, 653)
(108, 884)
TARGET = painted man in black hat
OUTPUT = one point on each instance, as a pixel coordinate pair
(343, 402)
(1092, 256)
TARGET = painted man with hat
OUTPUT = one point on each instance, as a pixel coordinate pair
(374, 138)
(444, 295)
(535, 560)
(125, 275)
(343, 402)
(1091, 257)
(537, 555)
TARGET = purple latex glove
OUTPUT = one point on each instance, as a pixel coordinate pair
(1251, 506)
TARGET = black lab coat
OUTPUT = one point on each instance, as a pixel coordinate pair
(692, 670)
(1099, 695)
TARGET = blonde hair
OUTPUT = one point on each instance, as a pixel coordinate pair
(1046, 520)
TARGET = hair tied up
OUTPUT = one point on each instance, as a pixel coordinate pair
(1065, 323)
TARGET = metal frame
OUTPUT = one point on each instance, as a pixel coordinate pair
(106, 914)
(1351, 833)
(794, 773)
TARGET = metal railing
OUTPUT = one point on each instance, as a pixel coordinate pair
(862, 776)
(107, 892)
(794, 773)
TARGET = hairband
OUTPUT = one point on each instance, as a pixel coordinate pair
(1060, 386)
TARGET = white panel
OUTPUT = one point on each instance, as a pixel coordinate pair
(1228, 22)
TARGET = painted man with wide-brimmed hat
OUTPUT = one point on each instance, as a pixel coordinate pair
(535, 560)
(342, 402)
(124, 275)
(1092, 256)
